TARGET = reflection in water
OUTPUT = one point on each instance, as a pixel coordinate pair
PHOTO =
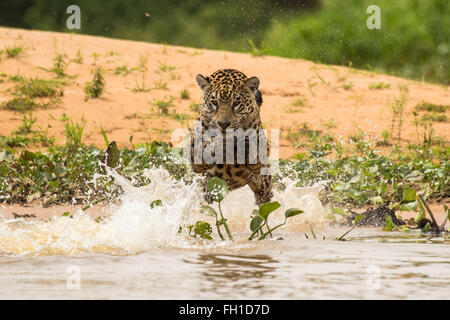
(225, 272)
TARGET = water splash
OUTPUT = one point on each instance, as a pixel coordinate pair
(133, 226)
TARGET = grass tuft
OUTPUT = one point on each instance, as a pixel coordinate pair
(95, 88)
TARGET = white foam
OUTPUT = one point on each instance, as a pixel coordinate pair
(133, 226)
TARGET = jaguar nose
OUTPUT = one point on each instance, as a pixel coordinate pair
(224, 124)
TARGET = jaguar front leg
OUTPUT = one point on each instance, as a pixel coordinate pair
(261, 185)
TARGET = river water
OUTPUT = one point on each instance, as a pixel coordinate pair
(137, 252)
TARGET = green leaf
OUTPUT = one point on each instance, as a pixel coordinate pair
(217, 188)
(67, 214)
(358, 218)
(203, 229)
(255, 223)
(156, 203)
(419, 216)
(266, 208)
(112, 155)
(427, 227)
(208, 211)
(291, 212)
(409, 194)
(382, 188)
(27, 155)
(388, 224)
(373, 170)
(410, 206)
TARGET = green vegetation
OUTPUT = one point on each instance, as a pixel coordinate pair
(164, 105)
(22, 105)
(347, 86)
(195, 106)
(95, 88)
(397, 109)
(143, 59)
(79, 59)
(14, 51)
(412, 44)
(180, 117)
(434, 117)
(74, 173)
(217, 190)
(26, 135)
(261, 217)
(184, 94)
(433, 113)
(379, 85)
(74, 135)
(163, 67)
(357, 177)
(360, 176)
(298, 103)
(66, 173)
(33, 93)
(123, 70)
(59, 65)
(38, 88)
(430, 107)
(161, 85)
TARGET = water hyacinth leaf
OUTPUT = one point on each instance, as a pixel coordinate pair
(112, 155)
(358, 218)
(388, 224)
(373, 170)
(266, 208)
(255, 223)
(208, 211)
(404, 229)
(156, 203)
(217, 188)
(292, 212)
(27, 155)
(419, 216)
(427, 227)
(382, 188)
(447, 213)
(409, 194)
(67, 214)
(203, 229)
(410, 206)
(376, 200)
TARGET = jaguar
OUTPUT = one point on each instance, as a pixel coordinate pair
(232, 101)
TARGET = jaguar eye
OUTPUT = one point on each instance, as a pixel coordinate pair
(214, 105)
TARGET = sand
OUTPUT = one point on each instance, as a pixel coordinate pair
(328, 105)
(336, 99)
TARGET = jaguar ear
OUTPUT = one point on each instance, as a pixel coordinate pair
(203, 82)
(252, 83)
